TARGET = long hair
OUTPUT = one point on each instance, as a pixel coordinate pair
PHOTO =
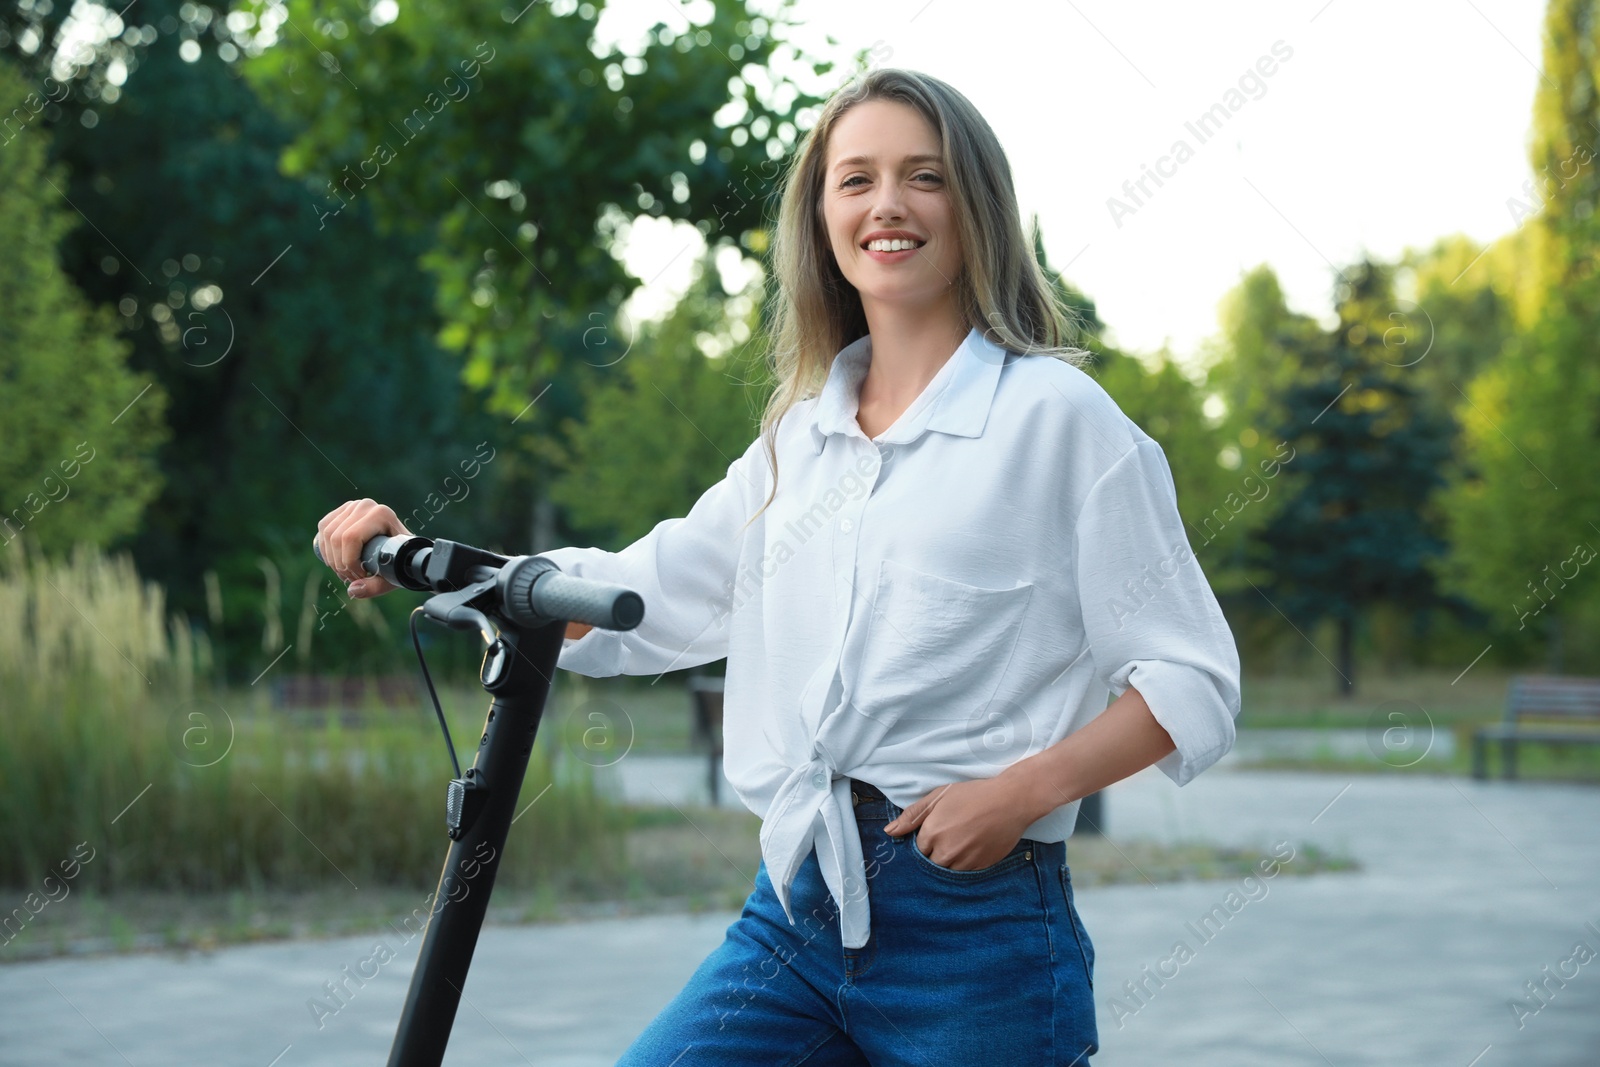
(1000, 288)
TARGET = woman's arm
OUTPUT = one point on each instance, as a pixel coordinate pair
(685, 569)
(1121, 741)
(976, 822)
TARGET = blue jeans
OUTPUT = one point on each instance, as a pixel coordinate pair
(991, 966)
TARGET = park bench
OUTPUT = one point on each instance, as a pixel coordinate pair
(705, 696)
(1551, 709)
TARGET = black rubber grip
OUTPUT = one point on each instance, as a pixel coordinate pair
(369, 554)
(535, 592)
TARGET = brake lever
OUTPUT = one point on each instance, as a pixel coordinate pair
(455, 610)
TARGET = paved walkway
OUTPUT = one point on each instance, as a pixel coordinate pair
(1470, 890)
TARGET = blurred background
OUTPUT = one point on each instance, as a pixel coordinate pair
(502, 269)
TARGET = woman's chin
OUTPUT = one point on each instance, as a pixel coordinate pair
(904, 299)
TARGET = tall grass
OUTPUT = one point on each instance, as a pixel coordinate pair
(113, 738)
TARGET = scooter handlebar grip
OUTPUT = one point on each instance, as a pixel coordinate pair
(537, 593)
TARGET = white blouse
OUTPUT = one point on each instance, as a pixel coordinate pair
(927, 606)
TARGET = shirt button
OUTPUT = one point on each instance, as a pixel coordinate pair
(820, 779)
(846, 525)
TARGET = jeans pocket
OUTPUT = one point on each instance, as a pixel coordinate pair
(1081, 935)
(1021, 853)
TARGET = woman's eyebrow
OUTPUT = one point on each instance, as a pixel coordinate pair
(855, 161)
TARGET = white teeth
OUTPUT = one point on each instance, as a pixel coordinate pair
(892, 245)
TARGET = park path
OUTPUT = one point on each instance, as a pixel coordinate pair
(1469, 890)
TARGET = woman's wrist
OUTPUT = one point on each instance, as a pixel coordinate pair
(1036, 782)
(1122, 740)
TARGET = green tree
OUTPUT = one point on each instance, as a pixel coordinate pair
(554, 144)
(1161, 400)
(1167, 406)
(1527, 500)
(1356, 526)
(1262, 351)
(1459, 321)
(301, 374)
(681, 403)
(77, 460)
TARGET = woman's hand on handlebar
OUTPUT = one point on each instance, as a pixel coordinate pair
(343, 531)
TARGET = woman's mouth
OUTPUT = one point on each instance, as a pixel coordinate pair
(892, 249)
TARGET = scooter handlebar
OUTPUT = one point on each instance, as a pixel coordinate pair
(533, 591)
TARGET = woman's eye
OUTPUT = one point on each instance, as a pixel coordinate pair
(927, 176)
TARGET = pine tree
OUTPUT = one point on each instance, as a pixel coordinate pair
(1357, 527)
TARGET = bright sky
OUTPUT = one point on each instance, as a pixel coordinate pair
(1391, 124)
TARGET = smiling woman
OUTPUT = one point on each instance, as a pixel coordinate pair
(885, 165)
(922, 627)
(915, 699)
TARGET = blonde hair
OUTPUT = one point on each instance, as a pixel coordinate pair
(1001, 288)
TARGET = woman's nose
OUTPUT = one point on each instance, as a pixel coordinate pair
(889, 207)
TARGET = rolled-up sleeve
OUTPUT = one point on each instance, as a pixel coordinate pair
(1150, 617)
(684, 569)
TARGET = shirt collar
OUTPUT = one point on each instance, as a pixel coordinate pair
(956, 401)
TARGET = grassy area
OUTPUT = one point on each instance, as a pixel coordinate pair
(657, 716)
(1446, 697)
(1451, 704)
(190, 818)
(632, 713)
(121, 772)
(677, 860)
(1535, 763)
(1108, 861)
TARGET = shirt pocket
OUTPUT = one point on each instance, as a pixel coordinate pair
(935, 645)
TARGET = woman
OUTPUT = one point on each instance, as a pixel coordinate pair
(971, 546)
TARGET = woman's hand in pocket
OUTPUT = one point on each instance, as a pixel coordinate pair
(966, 826)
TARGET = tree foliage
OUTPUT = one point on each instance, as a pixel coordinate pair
(1527, 499)
(77, 459)
(1460, 319)
(664, 424)
(1266, 353)
(554, 143)
(1167, 406)
(1357, 526)
(300, 376)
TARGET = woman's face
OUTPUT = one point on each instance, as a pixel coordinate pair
(889, 217)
